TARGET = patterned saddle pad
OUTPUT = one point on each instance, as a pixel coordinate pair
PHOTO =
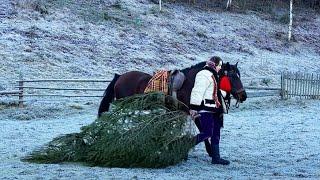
(158, 82)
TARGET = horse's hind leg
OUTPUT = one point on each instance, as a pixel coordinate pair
(108, 96)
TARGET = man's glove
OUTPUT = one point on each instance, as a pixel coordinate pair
(194, 114)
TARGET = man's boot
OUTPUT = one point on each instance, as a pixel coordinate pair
(216, 156)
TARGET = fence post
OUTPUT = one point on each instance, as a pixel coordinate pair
(21, 91)
(282, 87)
(318, 87)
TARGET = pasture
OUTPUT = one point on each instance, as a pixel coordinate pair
(265, 138)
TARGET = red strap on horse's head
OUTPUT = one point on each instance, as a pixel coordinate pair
(225, 84)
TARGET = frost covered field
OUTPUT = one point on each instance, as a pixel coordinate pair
(266, 138)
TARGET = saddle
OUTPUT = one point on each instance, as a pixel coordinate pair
(176, 81)
(168, 82)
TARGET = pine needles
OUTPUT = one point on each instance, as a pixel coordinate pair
(139, 131)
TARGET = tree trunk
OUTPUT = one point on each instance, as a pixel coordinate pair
(290, 21)
(229, 4)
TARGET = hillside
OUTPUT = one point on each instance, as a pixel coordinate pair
(94, 39)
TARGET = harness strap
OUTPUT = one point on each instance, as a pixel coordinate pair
(237, 103)
(227, 101)
(215, 92)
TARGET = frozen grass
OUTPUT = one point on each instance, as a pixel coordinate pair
(266, 138)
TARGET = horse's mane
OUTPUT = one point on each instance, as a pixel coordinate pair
(202, 64)
(197, 66)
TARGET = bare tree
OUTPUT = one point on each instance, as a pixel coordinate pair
(290, 20)
(229, 4)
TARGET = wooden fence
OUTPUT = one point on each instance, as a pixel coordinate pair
(297, 84)
(300, 85)
(22, 87)
(292, 85)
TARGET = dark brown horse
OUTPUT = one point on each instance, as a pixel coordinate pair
(135, 82)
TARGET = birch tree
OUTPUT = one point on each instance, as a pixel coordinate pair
(290, 20)
(229, 4)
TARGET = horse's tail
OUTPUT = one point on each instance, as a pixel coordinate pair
(108, 96)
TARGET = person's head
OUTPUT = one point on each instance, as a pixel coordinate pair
(215, 63)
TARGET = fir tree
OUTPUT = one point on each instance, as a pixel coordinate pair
(140, 131)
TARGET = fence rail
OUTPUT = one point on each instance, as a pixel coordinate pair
(22, 88)
(9, 92)
(57, 88)
(255, 92)
(57, 95)
(263, 88)
(64, 80)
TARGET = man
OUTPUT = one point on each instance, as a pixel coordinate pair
(206, 103)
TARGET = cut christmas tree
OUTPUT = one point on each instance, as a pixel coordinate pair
(146, 130)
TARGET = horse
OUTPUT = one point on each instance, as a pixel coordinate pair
(135, 82)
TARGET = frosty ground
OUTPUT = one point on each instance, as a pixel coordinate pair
(266, 138)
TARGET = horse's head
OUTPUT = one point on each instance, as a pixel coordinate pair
(233, 74)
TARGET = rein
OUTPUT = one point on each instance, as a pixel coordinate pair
(227, 101)
(237, 103)
(238, 98)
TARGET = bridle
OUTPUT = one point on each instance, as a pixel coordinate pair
(230, 74)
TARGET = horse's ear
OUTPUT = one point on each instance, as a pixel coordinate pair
(236, 64)
(227, 66)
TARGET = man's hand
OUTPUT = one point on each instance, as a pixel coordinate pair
(194, 114)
